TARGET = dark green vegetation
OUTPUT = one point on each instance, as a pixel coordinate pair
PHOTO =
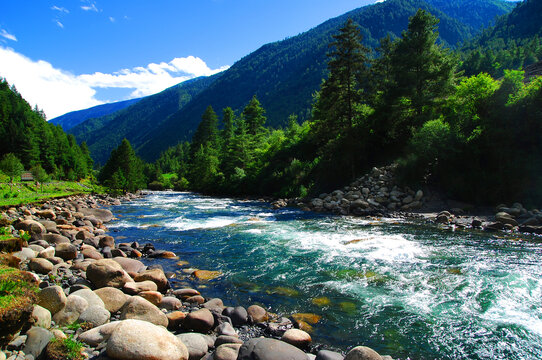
(64, 349)
(74, 118)
(29, 139)
(513, 43)
(283, 75)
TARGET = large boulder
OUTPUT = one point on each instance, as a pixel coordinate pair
(157, 276)
(41, 317)
(140, 309)
(40, 266)
(52, 298)
(107, 273)
(362, 353)
(505, 218)
(269, 349)
(257, 313)
(90, 296)
(103, 215)
(95, 315)
(37, 339)
(66, 251)
(227, 352)
(195, 343)
(55, 238)
(113, 298)
(33, 227)
(134, 288)
(75, 305)
(98, 335)
(200, 320)
(140, 340)
(131, 266)
(297, 338)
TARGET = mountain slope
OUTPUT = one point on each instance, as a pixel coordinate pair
(284, 75)
(105, 133)
(74, 118)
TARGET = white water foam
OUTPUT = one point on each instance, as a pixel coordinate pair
(184, 224)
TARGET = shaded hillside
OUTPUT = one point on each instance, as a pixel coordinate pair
(74, 118)
(105, 133)
(513, 43)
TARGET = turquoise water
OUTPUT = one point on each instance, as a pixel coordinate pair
(406, 290)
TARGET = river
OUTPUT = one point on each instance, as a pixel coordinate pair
(404, 289)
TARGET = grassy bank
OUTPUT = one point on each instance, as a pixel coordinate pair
(27, 192)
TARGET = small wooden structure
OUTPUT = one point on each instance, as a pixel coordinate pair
(27, 176)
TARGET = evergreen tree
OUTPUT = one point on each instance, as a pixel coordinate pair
(254, 116)
(124, 170)
(40, 175)
(12, 167)
(339, 102)
(207, 131)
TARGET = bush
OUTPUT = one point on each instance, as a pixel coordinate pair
(156, 186)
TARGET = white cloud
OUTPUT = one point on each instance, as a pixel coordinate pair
(59, 24)
(379, 1)
(112, 19)
(90, 6)
(7, 35)
(58, 92)
(60, 9)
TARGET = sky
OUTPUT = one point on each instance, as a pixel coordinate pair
(67, 55)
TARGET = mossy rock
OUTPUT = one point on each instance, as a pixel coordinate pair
(64, 349)
(17, 297)
(11, 245)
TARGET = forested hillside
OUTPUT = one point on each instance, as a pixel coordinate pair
(30, 142)
(105, 133)
(74, 118)
(513, 43)
(284, 75)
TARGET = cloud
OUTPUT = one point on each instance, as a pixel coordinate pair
(7, 35)
(112, 19)
(60, 9)
(59, 24)
(57, 91)
(90, 6)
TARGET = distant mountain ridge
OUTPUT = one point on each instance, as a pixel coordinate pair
(74, 118)
(284, 75)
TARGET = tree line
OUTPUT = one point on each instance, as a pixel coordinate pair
(475, 137)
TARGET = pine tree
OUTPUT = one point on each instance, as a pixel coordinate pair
(12, 167)
(206, 132)
(254, 116)
(127, 166)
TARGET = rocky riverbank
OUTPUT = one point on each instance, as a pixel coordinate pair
(97, 291)
(378, 194)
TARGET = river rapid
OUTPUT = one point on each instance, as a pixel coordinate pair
(405, 289)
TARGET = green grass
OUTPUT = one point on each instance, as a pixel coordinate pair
(26, 193)
(68, 349)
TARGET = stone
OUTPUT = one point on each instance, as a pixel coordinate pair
(47, 253)
(103, 215)
(418, 196)
(52, 298)
(31, 226)
(155, 297)
(66, 251)
(41, 317)
(98, 335)
(134, 288)
(170, 303)
(107, 273)
(155, 275)
(227, 352)
(505, 218)
(226, 329)
(226, 339)
(140, 309)
(184, 294)
(257, 313)
(25, 254)
(195, 343)
(215, 304)
(36, 248)
(36, 341)
(197, 299)
(90, 296)
(91, 253)
(175, 319)
(140, 340)
(75, 305)
(269, 349)
(206, 274)
(83, 235)
(476, 223)
(200, 320)
(55, 239)
(239, 316)
(46, 214)
(362, 353)
(107, 241)
(113, 298)
(95, 315)
(297, 338)
(131, 266)
(40, 266)
(328, 355)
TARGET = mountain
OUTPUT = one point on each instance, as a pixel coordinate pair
(515, 42)
(284, 75)
(105, 133)
(71, 119)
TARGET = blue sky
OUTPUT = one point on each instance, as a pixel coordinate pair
(68, 55)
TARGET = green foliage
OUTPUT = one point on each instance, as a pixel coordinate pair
(67, 349)
(11, 166)
(123, 170)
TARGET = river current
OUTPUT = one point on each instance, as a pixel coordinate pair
(407, 290)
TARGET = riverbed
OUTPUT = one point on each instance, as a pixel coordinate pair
(405, 289)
